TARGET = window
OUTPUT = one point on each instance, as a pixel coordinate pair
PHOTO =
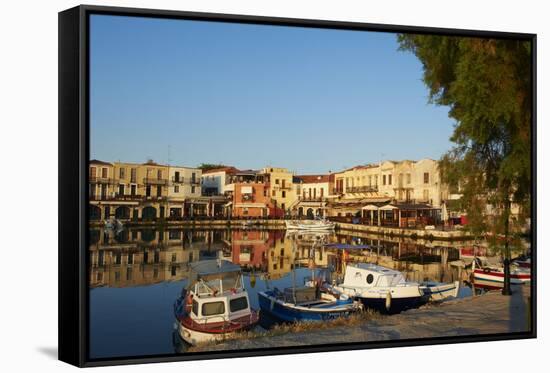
(389, 179)
(174, 257)
(408, 178)
(265, 193)
(159, 190)
(93, 171)
(276, 181)
(195, 307)
(273, 193)
(376, 180)
(133, 190)
(176, 188)
(426, 177)
(370, 180)
(213, 308)
(383, 179)
(121, 190)
(177, 176)
(193, 190)
(104, 173)
(159, 174)
(238, 304)
(370, 278)
(283, 193)
(122, 173)
(133, 175)
(193, 177)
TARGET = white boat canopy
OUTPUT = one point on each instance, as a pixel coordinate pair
(370, 207)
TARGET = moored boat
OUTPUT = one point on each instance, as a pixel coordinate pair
(495, 273)
(387, 291)
(215, 304)
(310, 225)
(305, 304)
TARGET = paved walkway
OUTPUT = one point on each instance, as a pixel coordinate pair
(486, 314)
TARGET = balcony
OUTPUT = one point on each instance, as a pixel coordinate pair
(117, 197)
(362, 189)
(312, 199)
(101, 180)
(151, 181)
(178, 180)
(281, 187)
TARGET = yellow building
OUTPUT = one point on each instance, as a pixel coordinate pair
(148, 191)
(281, 187)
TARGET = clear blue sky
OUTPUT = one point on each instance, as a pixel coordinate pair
(311, 100)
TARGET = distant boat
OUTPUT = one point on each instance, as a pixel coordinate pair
(387, 291)
(495, 273)
(215, 304)
(310, 225)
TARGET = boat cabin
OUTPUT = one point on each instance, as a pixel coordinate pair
(366, 275)
(216, 293)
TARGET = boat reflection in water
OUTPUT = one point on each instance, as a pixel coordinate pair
(145, 270)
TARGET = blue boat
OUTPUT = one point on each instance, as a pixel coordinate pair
(305, 304)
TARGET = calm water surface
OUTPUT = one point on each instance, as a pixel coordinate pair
(137, 274)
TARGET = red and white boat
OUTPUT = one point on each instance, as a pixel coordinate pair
(215, 304)
(490, 273)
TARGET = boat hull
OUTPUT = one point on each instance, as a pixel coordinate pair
(440, 292)
(397, 305)
(194, 333)
(284, 312)
(498, 276)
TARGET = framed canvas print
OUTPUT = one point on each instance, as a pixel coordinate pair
(236, 186)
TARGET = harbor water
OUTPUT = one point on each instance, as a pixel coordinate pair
(135, 275)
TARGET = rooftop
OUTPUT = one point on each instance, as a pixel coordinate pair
(310, 179)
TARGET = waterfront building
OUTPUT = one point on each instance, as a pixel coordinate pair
(313, 192)
(250, 199)
(369, 187)
(216, 182)
(281, 189)
(147, 191)
(101, 178)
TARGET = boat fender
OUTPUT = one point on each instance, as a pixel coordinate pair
(388, 301)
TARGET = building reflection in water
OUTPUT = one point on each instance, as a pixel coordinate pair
(134, 257)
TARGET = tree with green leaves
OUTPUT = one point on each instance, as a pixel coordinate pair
(210, 166)
(486, 83)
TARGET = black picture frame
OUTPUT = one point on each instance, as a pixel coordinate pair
(73, 181)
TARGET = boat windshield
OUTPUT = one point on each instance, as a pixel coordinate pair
(218, 284)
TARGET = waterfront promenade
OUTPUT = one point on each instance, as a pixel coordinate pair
(491, 313)
(414, 233)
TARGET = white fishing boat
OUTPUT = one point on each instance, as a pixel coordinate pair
(387, 291)
(215, 304)
(310, 225)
